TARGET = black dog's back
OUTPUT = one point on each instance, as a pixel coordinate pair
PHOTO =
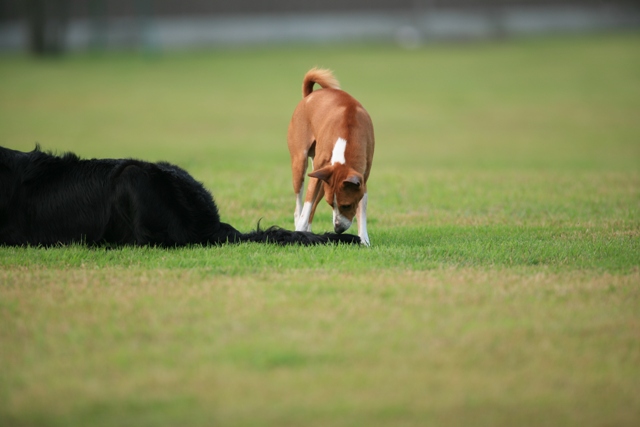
(47, 199)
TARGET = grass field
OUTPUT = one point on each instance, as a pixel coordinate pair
(502, 287)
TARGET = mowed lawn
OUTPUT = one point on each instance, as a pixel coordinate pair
(502, 287)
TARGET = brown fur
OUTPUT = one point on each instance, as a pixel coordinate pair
(318, 121)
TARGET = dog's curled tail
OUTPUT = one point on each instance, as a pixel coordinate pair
(283, 237)
(323, 77)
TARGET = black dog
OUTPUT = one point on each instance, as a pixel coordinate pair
(47, 199)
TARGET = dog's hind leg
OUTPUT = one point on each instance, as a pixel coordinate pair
(319, 196)
(314, 194)
(299, 164)
(301, 146)
(298, 211)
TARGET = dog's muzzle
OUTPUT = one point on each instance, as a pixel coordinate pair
(341, 226)
(340, 222)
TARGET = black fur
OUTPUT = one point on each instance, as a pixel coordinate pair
(47, 200)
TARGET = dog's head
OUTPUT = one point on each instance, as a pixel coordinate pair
(344, 187)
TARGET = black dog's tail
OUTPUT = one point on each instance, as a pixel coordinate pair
(283, 237)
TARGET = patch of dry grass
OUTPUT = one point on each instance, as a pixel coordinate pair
(456, 346)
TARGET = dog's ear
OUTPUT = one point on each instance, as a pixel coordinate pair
(323, 174)
(352, 180)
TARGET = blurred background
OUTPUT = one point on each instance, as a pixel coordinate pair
(460, 91)
(55, 26)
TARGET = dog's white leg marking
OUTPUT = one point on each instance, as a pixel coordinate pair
(298, 210)
(362, 221)
(337, 156)
(299, 221)
(340, 222)
(302, 221)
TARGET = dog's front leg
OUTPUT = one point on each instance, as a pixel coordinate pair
(361, 214)
(303, 221)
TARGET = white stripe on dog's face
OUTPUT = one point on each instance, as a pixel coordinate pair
(340, 222)
(338, 151)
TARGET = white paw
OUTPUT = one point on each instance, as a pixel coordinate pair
(302, 226)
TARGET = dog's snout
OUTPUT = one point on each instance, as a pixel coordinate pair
(339, 227)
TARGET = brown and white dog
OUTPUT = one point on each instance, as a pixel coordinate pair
(336, 132)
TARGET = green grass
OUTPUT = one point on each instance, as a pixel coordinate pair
(413, 248)
(502, 286)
